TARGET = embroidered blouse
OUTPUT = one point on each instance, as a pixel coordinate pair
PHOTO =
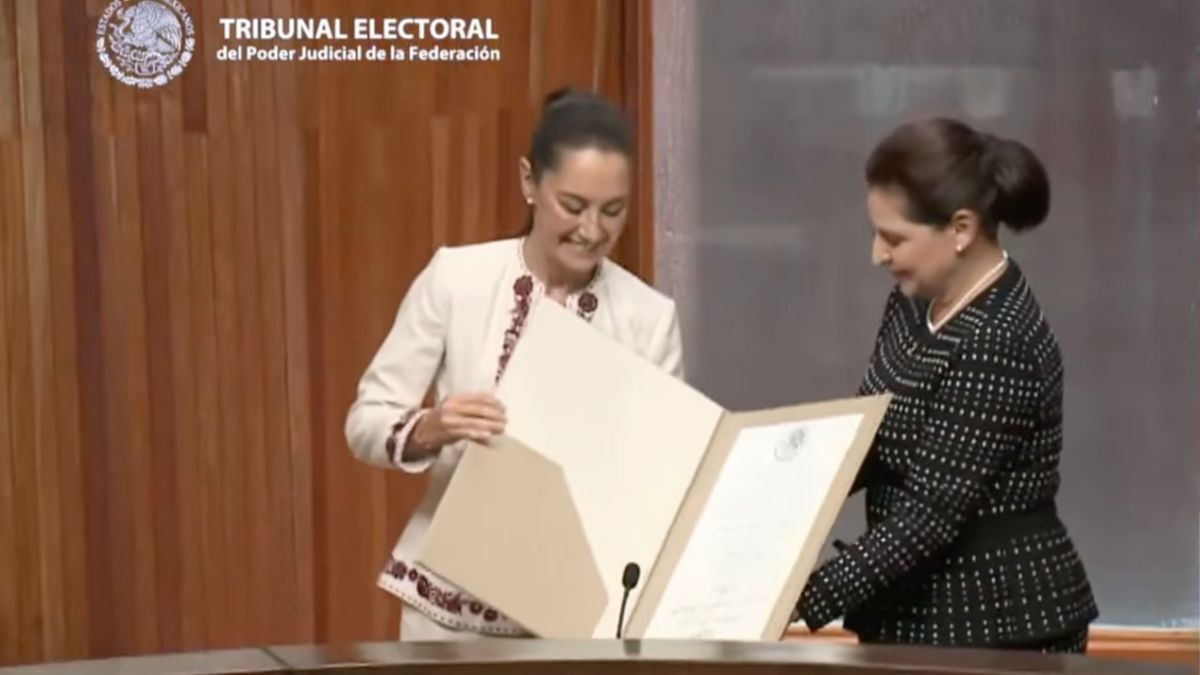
(455, 331)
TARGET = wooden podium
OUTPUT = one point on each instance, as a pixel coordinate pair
(598, 657)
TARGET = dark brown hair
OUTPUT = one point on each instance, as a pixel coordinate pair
(573, 119)
(942, 165)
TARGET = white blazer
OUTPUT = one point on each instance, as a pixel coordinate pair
(454, 329)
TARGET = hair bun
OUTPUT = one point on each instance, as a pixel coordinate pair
(562, 93)
(1022, 186)
(942, 165)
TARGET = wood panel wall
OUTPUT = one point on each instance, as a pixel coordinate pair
(192, 278)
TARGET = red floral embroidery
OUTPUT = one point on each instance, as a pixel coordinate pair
(523, 289)
(587, 305)
(450, 601)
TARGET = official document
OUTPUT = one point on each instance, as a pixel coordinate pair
(751, 530)
(608, 460)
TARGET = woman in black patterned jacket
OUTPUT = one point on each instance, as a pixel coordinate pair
(964, 546)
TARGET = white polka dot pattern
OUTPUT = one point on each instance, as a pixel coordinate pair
(972, 437)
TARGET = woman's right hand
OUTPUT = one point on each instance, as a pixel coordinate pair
(476, 417)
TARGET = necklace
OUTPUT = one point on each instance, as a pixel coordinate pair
(962, 301)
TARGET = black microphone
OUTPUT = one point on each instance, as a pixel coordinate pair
(629, 579)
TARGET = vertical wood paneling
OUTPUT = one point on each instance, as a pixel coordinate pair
(161, 489)
(229, 479)
(292, 185)
(537, 50)
(10, 636)
(112, 483)
(274, 364)
(50, 607)
(439, 142)
(83, 231)
(315, 197)
(22, 467)
(636, 54)
(601, 45)
(207, 481)
(250, 460)
(568, 37)
(130, 320)
(186, 559)
(64, 417)
(193, 279)
(27, 352)
(79, 41)
(330, 517)
(9, 114)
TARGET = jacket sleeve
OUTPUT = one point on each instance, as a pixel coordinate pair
(985, 407)
(395, 382)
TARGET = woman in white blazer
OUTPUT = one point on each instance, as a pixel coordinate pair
(462, 316)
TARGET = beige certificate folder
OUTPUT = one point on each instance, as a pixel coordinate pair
(608, 460)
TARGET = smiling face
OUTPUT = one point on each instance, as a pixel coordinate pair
(579, 207)
(921, 258)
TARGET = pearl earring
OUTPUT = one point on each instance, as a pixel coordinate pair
(958, 249)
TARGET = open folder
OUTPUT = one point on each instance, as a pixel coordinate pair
(608, 460)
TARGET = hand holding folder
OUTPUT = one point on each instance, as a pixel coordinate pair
(606, 461)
